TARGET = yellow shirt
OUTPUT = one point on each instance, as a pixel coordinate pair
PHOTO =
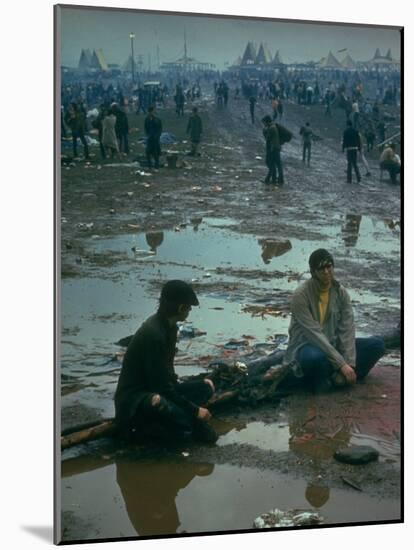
(323, 304)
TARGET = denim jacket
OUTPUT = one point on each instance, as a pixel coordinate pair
(336, 337)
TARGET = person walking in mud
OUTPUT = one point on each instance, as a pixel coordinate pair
(306, 133)
(273, 148)
(351, 143)
(109, 139)
(252, 105)
(76, 120)
(153, 131)
(149, 399)
(121, 128)
(322, 349)
(195, 129)
(179, 101)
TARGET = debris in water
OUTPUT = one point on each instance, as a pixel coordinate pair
(262, 311)
(189, 332)
(287, 518)
(236, 344)
(84, 225)
(351, 483)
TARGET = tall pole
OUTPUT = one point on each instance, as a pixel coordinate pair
(132, 36)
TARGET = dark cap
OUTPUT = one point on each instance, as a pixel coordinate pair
(179, 292)
(319, 259)
(267, 120)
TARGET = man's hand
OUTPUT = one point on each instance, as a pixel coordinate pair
(344, 376)
(210, 383)
(203, 414)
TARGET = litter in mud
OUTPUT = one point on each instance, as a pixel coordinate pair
(287, 518)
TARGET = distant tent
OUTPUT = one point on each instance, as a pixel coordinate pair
(389, 56)
(249, 56)
(237, 63)
(263, 56)
(348, 62)
(98, 60)
(330, 62)
(377, 53)
(277, 60)
(85, 60)
(127, 66)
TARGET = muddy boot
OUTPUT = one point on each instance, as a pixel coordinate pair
(204, 433)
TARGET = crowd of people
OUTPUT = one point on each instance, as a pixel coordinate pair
(363, 98)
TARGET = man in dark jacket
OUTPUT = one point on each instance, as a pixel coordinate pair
(121, 128)
(351, 143)
(76, 121)
(195, 129)
(149, 395)
(153, 130)
(273, 147)
(306, 133)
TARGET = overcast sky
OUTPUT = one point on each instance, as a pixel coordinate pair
(212, 39)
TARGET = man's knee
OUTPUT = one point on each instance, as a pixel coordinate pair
(377, 346)
(311, 355)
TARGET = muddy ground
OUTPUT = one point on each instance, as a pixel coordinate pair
(126, 229)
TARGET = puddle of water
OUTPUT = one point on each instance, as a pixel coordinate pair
(214, 245)
(96, 312)
(130, 498)
(269, 437)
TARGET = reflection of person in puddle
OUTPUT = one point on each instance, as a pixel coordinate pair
(350, 230)
(154, 239)
(272, 249)
(317, 495)
(150, 491)
(322, 348)
(149, 398)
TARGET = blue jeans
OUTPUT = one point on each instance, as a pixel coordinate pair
(316, 366)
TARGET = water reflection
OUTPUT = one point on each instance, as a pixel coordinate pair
(273, 249)
(316, 436)
(317, 495)
(154, 239)
(350, 229)
(150, 490)
(196, 222)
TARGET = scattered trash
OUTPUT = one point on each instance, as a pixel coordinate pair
(216, 188)
(288, 518)
(236, 344)
(196, 188)
(207, 275)
(121, 165)
(112, 211)
(142, 173)
(258, 158)
(84, 226)
(351, 483)
(140, 252)
(186, 331)
(185, 454)
(262, 311)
